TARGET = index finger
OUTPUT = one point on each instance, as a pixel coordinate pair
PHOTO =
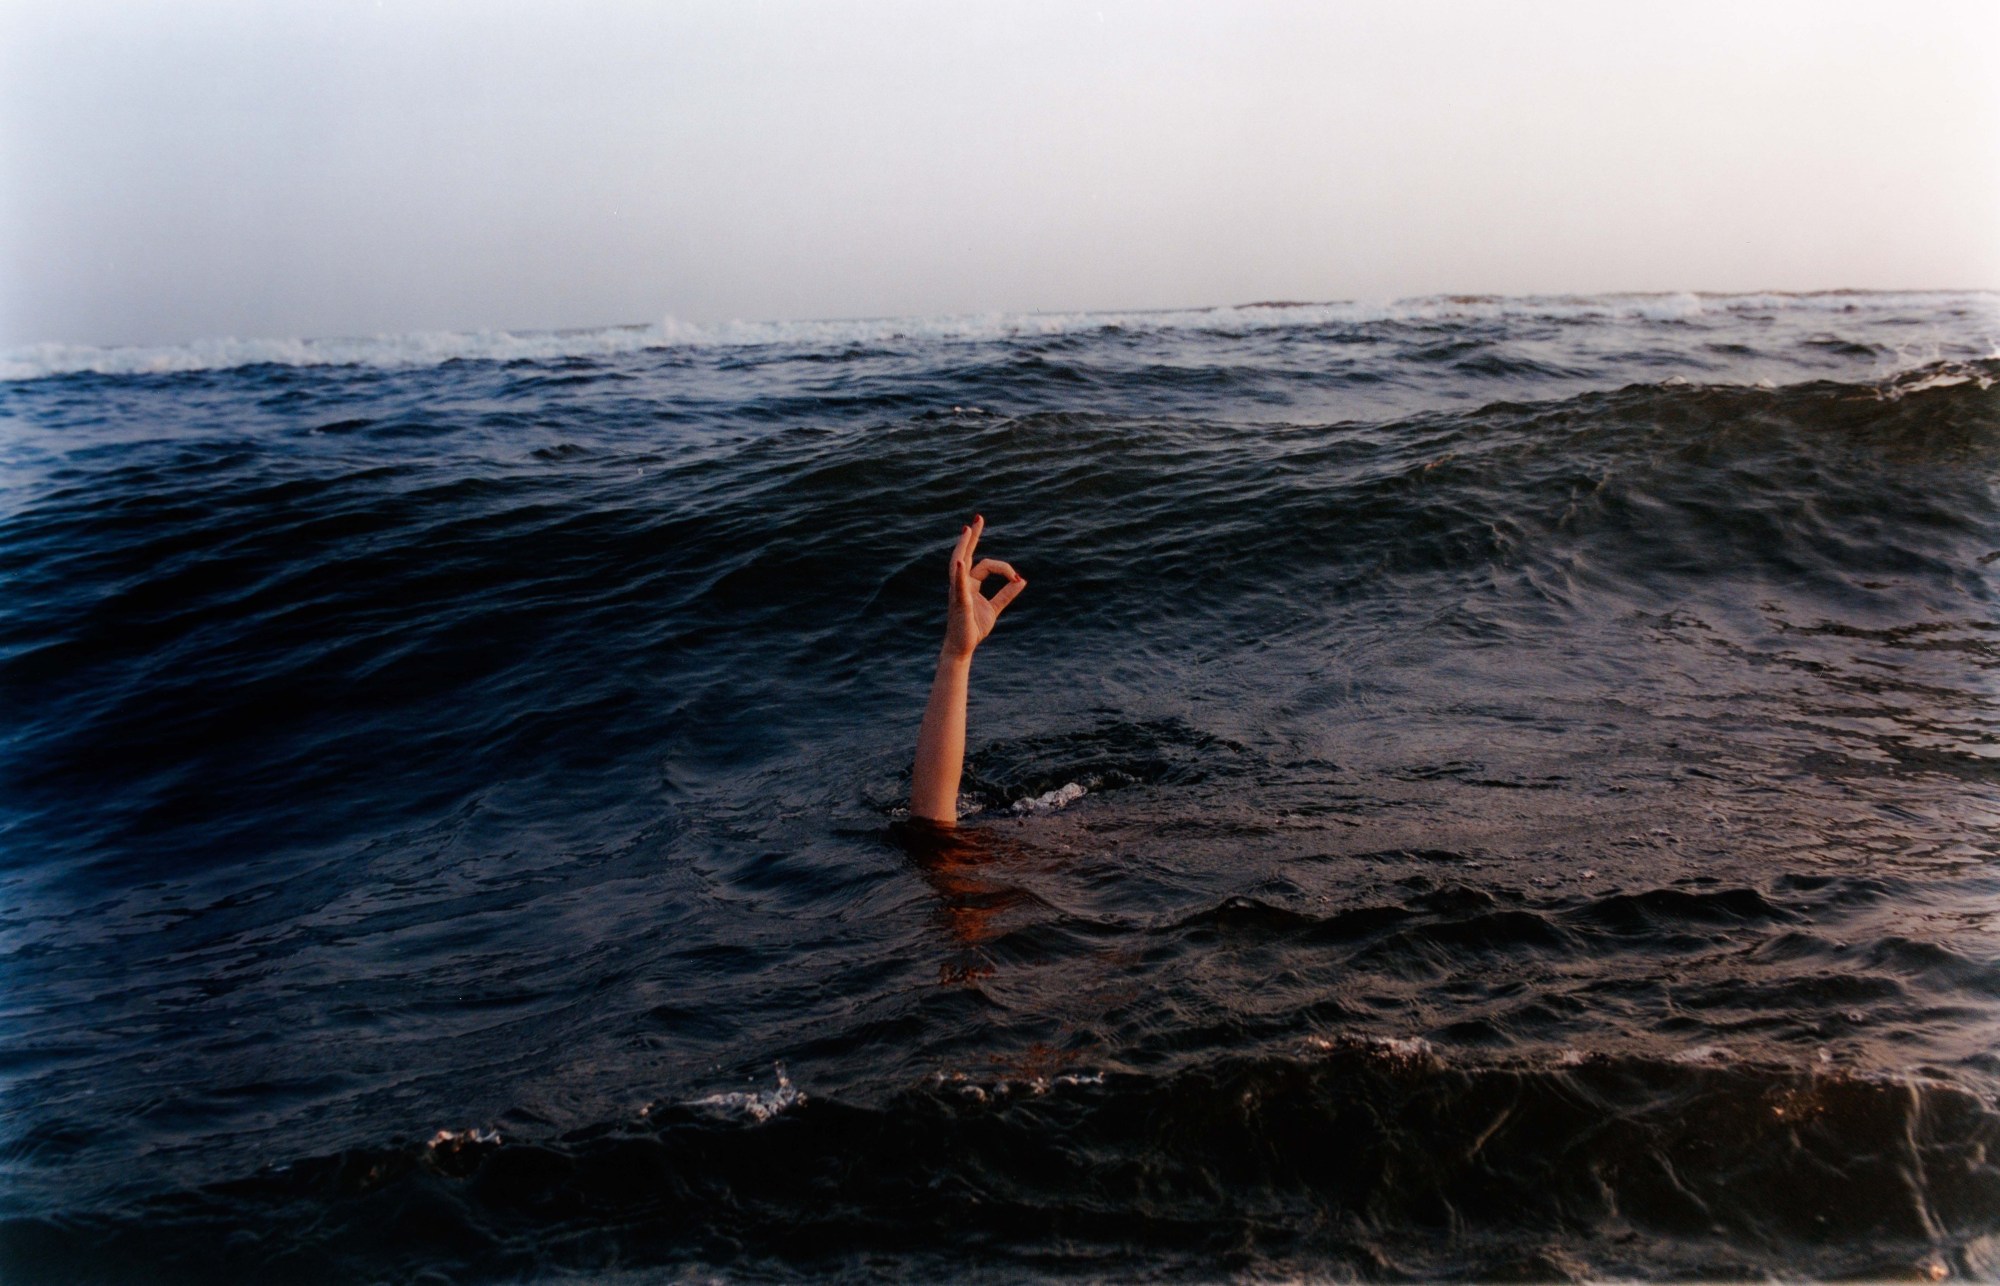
(961, 553)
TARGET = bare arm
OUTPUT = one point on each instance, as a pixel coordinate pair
(968, 620)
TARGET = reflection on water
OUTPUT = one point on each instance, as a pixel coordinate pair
(962, 864)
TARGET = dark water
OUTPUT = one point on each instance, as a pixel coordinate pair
(1478, 788)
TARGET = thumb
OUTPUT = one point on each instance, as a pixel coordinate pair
(1008, 593)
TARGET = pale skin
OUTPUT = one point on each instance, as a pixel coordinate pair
(969, 617)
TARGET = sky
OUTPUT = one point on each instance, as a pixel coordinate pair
(198, 169)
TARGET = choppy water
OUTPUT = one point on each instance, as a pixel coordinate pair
(1475, 788)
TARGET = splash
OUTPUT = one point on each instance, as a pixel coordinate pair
(759, 1106)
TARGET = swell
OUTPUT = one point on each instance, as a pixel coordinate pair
(1375, 1158)
(219, 594)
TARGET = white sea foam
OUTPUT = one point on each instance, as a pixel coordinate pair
(1945, 376)
(1395, 1049)
(1404, 1047)
(757, 1106)
(992, 1090)
(387, 352)
(432, 348)
(1060, 797)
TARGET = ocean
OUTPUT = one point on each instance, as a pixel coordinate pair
(1475, 787)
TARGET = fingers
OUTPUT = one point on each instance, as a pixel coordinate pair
(962, 579)
(1008, 593)
(993, 567)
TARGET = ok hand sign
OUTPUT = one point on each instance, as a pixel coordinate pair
(970, 616)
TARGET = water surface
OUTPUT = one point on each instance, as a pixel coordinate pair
(1474, 788)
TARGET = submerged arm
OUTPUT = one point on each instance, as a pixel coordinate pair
(968, 620)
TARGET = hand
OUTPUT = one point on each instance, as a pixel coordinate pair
(971, 614)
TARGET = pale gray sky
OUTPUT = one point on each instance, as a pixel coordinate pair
(170, 171)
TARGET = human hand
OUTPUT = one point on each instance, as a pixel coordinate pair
(970, 615)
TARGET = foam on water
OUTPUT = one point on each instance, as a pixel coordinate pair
(1061, 797)
(431, 348)
(756, 1106)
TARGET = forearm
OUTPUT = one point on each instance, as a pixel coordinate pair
(941, 743)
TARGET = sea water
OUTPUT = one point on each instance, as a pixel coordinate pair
(1474, 787)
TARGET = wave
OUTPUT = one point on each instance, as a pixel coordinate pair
(1377, 1156)
(435, 348)
(442, 581)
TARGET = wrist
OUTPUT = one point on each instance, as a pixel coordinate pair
(950, 658)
